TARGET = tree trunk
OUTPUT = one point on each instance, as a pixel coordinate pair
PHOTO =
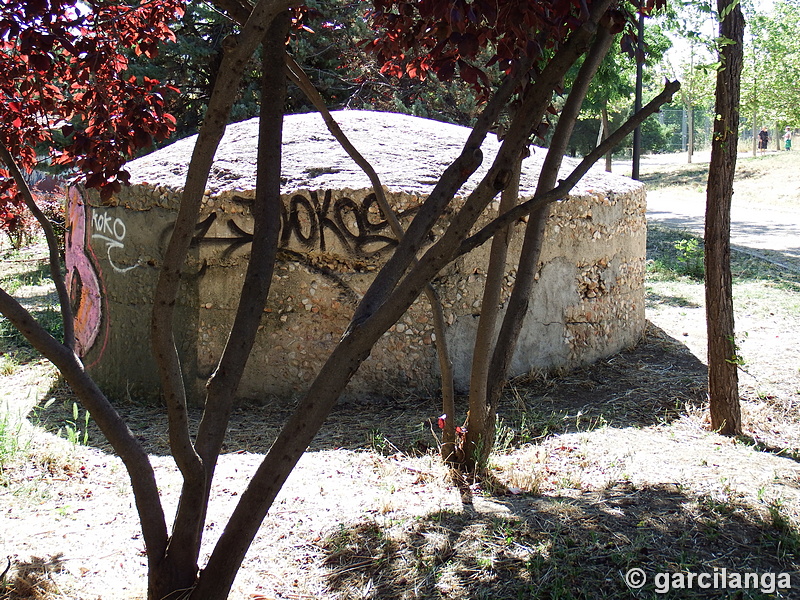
(690, 142)
(490, 309)
(481, 427)
(722, 355)
(606, 127)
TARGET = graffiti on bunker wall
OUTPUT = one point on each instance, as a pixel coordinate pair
(84, 281)
(310, 222)
(110, 231)
(344, 226)
(356, 226)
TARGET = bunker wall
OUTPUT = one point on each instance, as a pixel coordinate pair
(588, 302)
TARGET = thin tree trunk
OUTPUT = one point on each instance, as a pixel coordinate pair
(490, 309)
(178, 565)
(690, 143)
(722, 355)
(606, 129)
(266, 230)
(480, 435)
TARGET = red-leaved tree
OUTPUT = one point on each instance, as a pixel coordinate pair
(62, 71)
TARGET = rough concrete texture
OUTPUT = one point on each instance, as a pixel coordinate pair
(589, 301)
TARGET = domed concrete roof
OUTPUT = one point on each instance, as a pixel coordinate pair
(408, 153)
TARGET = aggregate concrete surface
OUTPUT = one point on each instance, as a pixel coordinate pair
(408, 153)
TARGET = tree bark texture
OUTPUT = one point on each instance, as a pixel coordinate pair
(178, 565)
(481, 428)
(605, 128)
(722, 355)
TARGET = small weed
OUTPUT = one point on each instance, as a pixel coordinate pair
(9, 363)
(690, 258)
(72, 431)
(9, 440)
(74, 427)
(379, 443)
(504, 436)
(674, 254)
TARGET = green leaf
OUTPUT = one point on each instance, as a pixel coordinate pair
(728, 9)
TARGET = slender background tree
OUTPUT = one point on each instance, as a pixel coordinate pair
(723, 360)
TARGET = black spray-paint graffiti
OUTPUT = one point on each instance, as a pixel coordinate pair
(313, 225)
(308, 221)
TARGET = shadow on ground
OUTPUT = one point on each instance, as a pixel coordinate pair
(570, 547)
(650, 383)
(30, 579)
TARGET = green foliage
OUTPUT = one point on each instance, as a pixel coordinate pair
(189, 64)
(673, 258)
(772, 66)
(76, 429)
(690, 258)
(656, 136)
(613, 89)
(330, 52)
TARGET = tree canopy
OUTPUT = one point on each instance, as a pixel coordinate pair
(62, 69)
(771, 77)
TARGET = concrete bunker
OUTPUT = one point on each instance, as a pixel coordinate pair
(588, 304)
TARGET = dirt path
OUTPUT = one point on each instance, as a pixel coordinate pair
(765, 218)
(753, 228)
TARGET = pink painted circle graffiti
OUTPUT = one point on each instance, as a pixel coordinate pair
(83, 281)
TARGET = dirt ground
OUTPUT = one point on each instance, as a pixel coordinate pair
(597, 471)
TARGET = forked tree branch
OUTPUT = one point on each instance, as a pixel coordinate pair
(260, 268)
(299, 77)
(480, 439)
(239, 50)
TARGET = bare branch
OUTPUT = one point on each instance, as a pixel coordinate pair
(52, 246)
(298, 76)
(566, 184)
